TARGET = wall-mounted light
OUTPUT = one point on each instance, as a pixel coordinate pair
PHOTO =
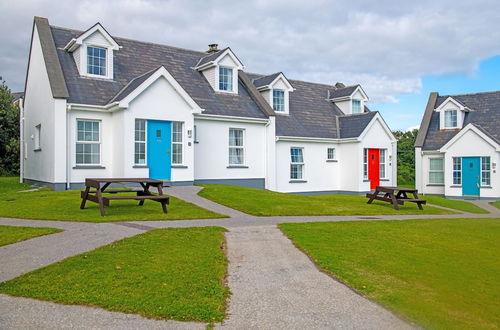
(190, 133)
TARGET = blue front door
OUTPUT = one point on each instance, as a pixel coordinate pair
(159, 149)
(471, 173)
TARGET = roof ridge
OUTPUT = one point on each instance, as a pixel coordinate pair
(477, 93)
(357, 114)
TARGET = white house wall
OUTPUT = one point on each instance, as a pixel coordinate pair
(426, 187)
(210, 76)
(350, 169)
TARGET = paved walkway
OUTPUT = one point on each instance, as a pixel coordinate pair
(273, 284)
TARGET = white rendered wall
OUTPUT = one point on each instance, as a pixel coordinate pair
(428, 188)
(210, 76)
(39, 109)
(351, 168)
(212, 150)
(419, 184)
(345, 106)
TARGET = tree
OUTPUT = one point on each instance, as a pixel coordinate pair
(9, 132)
(406, 156)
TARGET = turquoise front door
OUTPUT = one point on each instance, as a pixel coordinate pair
(159, 149)
(471, 173)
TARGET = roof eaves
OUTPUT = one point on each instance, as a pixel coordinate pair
(426, 120)
(255, 94)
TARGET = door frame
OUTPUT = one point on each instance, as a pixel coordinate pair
(150, 126)
(478, 183)
(374, 168)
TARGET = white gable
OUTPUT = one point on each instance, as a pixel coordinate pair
(228, 61)
(98, 39)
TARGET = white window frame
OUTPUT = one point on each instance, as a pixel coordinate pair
(89, 142)
(436, 171)
(37, 138)
(456, 168)
(383, 163)
(141, 142)
(179, 143)
(352, 105)
(301, 164)
(283, 104)
(484, 171)
(333, 155)
(456, 118)
(365, 164)
(242, 147)
(106, 64)
(232, 90)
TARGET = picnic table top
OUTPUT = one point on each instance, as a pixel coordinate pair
(393, 188)
(116, 180)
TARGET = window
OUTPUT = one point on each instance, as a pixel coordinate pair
(365, 164)
(140, 142)
(177, 142)
(96, 61)
(88, 142)
(225, 79)
(450, 118)
(330, 154)
(382, 163)
(38, 132)
(485, 171)
(279, 100)
(296, 164)
(457, 170)
(356, 106)
(436, 171)
(236, 146)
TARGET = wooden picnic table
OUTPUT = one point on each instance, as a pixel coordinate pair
(142, 194)
(396, 195)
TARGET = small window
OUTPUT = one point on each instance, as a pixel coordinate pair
(177, 142)
(365, 164)
(96, 61)
(436, 171)
(88, 143)
(356, 106)
(225, 79)
(38, 132)
(279, 100)
(296, 164)
(383, 163)
(450, 118)
(330, 154)
(236, 146)
(457, 170)
(140, 142)
(485, 171)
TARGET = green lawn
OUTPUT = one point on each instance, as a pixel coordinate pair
(174, 273)
(13, 234)
(454, 204)
(496, 204)
(267, 203)
(441, 274)
(65, 205)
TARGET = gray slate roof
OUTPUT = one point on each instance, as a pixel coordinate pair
(17, 96)
(311, 114)
(211, 57)
(265, 80)
(484, 114)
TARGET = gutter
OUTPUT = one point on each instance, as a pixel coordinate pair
(314, 139)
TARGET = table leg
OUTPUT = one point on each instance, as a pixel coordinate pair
(84, 198)
(394, 202)
(145, 193)
(99, 199)
(164, 206)
(415, 195)
(375, 193)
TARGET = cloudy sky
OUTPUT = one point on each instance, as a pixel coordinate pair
(398, 50)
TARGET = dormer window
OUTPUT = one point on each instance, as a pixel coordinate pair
(356, 106)
(96, 61)
(278, 100)
(450, 119)
(225, 79)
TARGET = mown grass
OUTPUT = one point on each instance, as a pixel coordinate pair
(454, 204)
(13, 234)
(173, 273)
(441, 274)
(496, 204)
(65, 206)
(267, 203)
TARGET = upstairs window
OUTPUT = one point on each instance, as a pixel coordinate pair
(38, 133)
(356, 106)
(436, 171)
(450, 119)
(296, 164)
(279, 100)
(225, 79)
(236, 146)
(177, 142)
(96, 61)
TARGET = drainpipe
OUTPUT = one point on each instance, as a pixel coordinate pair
(21, 140)
(68, 154)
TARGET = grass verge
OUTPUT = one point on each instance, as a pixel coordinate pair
(454, 204)
(174, 273)
(267, 203)
(441, 274)
(496, 204)
(14, 234)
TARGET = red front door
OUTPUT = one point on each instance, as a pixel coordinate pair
(374, 167)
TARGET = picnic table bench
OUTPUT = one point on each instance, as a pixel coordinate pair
(396, 195)
(142, 194)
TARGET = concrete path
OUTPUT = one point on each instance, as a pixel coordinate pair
(273, 284)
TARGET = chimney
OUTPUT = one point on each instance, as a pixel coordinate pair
(339, 85)
(212, 48)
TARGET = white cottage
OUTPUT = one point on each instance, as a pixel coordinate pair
(101, 106)
(457, 149)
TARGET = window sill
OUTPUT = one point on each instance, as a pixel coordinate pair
(365, 180)
(88, 167)
(385, 180)
(435, 185)
(179, 166)
(297, 181)
(140, 166)
(486, 187)
(237, 166)
(226, 92)
(331, 160)
(37, 149)
(456, 186)
(281, 113)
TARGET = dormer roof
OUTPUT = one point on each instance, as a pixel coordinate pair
(78, 41)
(212, 59)
(266, 82)
(457, 102)
(346, 92)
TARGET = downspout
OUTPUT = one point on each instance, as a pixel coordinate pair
(68, 154)
(21, 140)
